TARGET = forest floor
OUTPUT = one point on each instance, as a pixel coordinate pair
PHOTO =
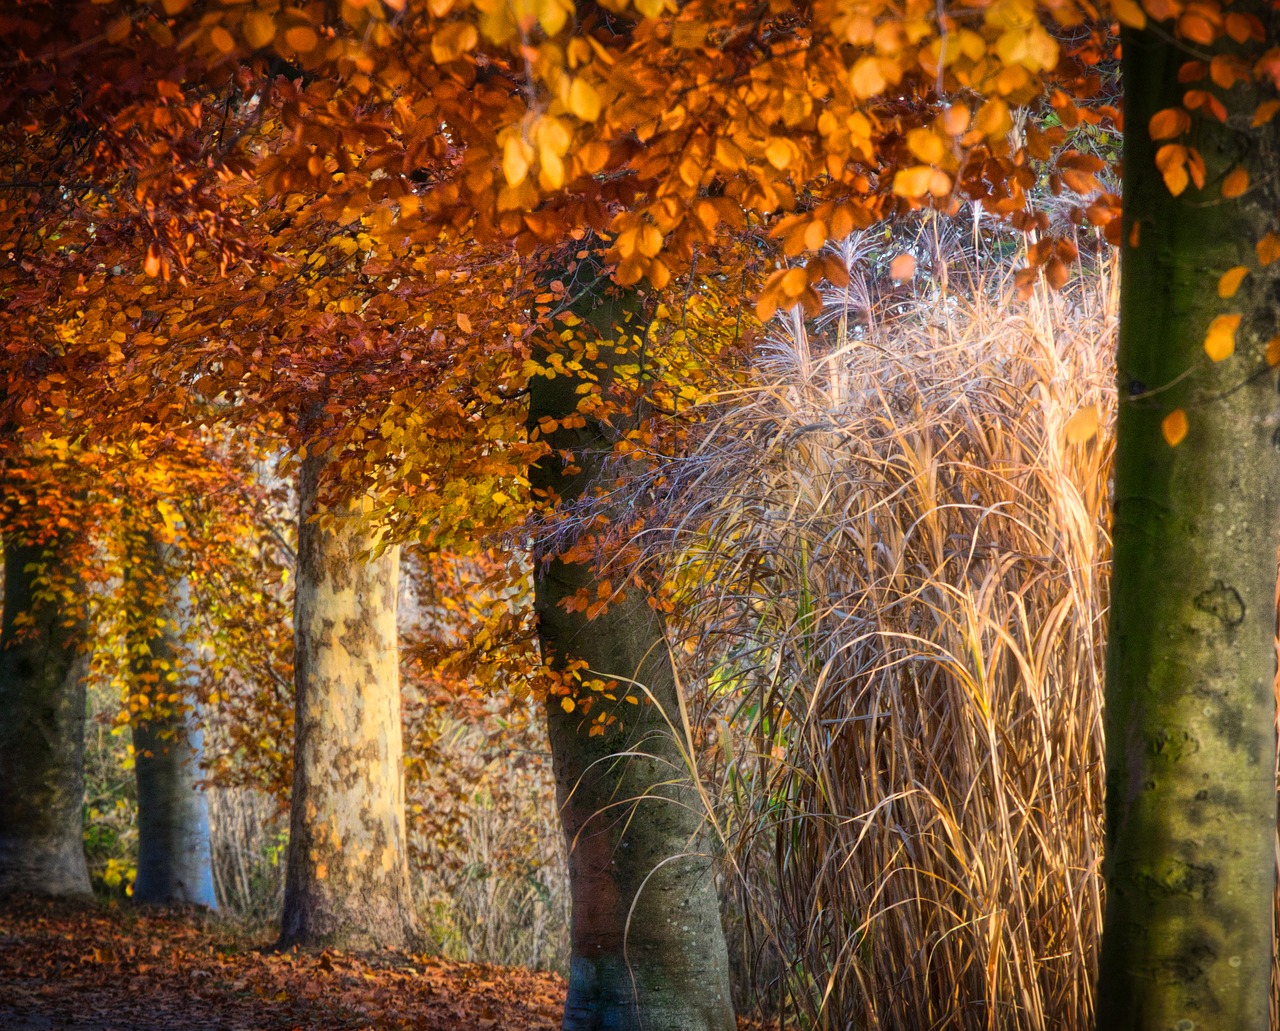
(115, 968)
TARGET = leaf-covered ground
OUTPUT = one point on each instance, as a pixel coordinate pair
(113, 968)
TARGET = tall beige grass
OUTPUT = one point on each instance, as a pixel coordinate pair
(908, 560)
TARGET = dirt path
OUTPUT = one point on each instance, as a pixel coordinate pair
(104, 968)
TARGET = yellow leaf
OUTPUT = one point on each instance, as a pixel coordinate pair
(779, 152)
(259, 29)
(1231, 280)
(552, 14)
(913, 182)
(794, 283)
(1083, 426)
(993, 119)
(515, 160)
(866, 78)
(926, 145)
(1220, 341)
(1130, 13)
(1174, 427)
(1236, 182)
(649, 241)
(566, 703)
(551, 168)
(584, 101)
(453, 40)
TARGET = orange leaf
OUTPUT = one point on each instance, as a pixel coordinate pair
(1174, 427)
(1193, 25)
(1166, 124)
(1220, 341)
(902, 268)
(794, 282)
(1273, 351)
(1130, 13)
(301, 38)
(259, 28)
(464, 322)
(1268, 249)
(1265, 112)
(1171, 160)
(1231, 280)
(913, 181)
(1236, 182)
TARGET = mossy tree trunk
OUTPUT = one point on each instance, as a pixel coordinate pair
(648, 949)
(42, 719)
(347, 881)
(174, 859)
(1190, 714)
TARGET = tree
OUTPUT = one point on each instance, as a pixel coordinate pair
(43, 663)
(647, 946)
(348, 874)
(1190, 716)
(174, 858)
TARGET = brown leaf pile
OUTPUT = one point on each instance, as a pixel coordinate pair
(115, 968)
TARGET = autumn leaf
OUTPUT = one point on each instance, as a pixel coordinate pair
(1220, 341)
(1083, 426)
(1171, 122)
(1268, 249)
(1230, 281)
(902, 268)
(1236, 183)
(1174, 427)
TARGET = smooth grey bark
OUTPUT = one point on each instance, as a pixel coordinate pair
(1190, 707)
(42, 720)
(347, 882)
(174, 856)
(648, 950)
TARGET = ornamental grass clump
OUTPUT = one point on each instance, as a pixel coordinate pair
(894, 551)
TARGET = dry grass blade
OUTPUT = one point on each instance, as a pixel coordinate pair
(906, 556)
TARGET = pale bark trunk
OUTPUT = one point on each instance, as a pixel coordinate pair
(347, 881)
(42, 719)
(174, 860)
(648, 949)
(1190, 713)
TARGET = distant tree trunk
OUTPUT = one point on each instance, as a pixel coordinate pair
(648, 949)
(347, 882)
(42, 719)
(1190, 712)
(174, 861)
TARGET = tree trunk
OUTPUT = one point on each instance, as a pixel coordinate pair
(648, 950)
(42, 718)
(174, 861)
(347, 881)
(1190, 713)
